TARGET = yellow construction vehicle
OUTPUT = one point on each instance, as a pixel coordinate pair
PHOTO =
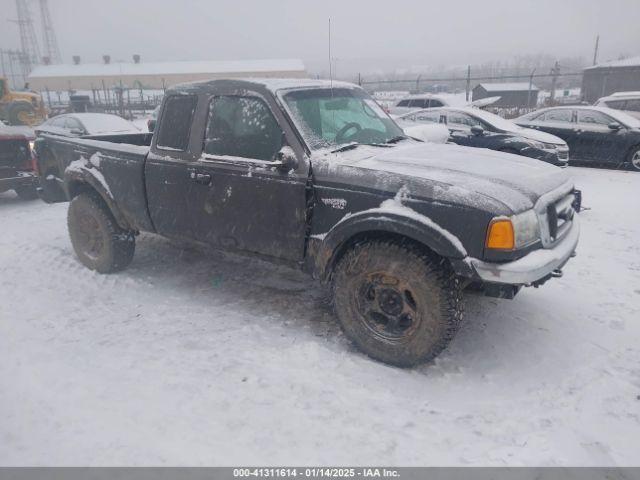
(20, 108)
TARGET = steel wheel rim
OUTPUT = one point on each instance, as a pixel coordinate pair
(387, 307)
(88, 236)
(635, 160)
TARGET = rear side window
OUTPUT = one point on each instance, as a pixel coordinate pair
(58, 122)
(426, 117)
(176, 122)
(242, 127)
(435, 103)
(403, 103)
(556, 116)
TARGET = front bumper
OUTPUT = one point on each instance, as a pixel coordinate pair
(20, 179)
(558, 157)
(533, 267)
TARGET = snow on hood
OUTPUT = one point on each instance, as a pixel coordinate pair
(465, 175)
(539, 136)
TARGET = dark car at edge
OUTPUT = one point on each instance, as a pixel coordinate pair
(595, 135)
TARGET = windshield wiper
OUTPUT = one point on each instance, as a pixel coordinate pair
(346, 146)
(396, 139)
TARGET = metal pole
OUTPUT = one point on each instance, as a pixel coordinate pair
(468, 90)
(595, 51)
(554, 79)
(530, 88)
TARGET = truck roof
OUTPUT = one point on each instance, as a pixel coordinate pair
(272, 85)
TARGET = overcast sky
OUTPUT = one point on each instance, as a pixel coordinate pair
(384, 33)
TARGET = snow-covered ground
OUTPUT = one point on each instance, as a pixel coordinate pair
(196, 359)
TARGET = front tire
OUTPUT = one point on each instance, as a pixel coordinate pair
(97, 239)
(21, 113)
(397, 304)
(634, 158)
(27, 193)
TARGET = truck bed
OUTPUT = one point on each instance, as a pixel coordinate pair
(114, 165)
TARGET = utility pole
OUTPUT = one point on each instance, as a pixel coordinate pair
(28, 40)
(49, 35)
(530, 88)
(595, 50)
(555, 73)
(468, 90)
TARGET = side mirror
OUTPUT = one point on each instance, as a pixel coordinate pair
(286, 159)
(476, 130)
(614, 127)
(76, 131)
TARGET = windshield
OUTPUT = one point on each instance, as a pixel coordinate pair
(331, 117)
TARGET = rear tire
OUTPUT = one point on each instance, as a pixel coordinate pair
(395, 303)
(97, 239)
(27, 193)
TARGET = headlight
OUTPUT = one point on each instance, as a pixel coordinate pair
(542, 145)
(526, 227)
(31, 145)
(512, 233)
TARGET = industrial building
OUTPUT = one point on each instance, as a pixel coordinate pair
(611, 77)
(156, 75)
(517, 94)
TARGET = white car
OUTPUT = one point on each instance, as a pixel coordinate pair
(412, 103)
(629, 102)
(83, 124)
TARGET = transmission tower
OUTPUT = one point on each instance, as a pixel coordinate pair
(49, 35)
(28, 40)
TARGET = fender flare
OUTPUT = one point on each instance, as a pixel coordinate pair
(79, 180)
(429, 234)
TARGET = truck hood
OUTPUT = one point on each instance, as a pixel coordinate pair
(472, 177)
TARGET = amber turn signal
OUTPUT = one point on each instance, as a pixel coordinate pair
(500, 235)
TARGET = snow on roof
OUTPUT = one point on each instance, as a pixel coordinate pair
(275, 84)
(507, 87)
(168, 68)
(625, 62)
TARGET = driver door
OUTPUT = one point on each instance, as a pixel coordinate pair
(240, 201)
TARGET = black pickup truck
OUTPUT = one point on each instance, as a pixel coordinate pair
(315, 174)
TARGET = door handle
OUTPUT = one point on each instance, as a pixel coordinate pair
(197, 177)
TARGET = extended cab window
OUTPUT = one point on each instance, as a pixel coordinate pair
(176, 122)
(242, 127)
(557, 116)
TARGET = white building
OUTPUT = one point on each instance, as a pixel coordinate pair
(159, 75)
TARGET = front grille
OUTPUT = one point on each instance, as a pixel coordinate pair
(559, 216)
(13, 153)
(563, 154)
(555, 214)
